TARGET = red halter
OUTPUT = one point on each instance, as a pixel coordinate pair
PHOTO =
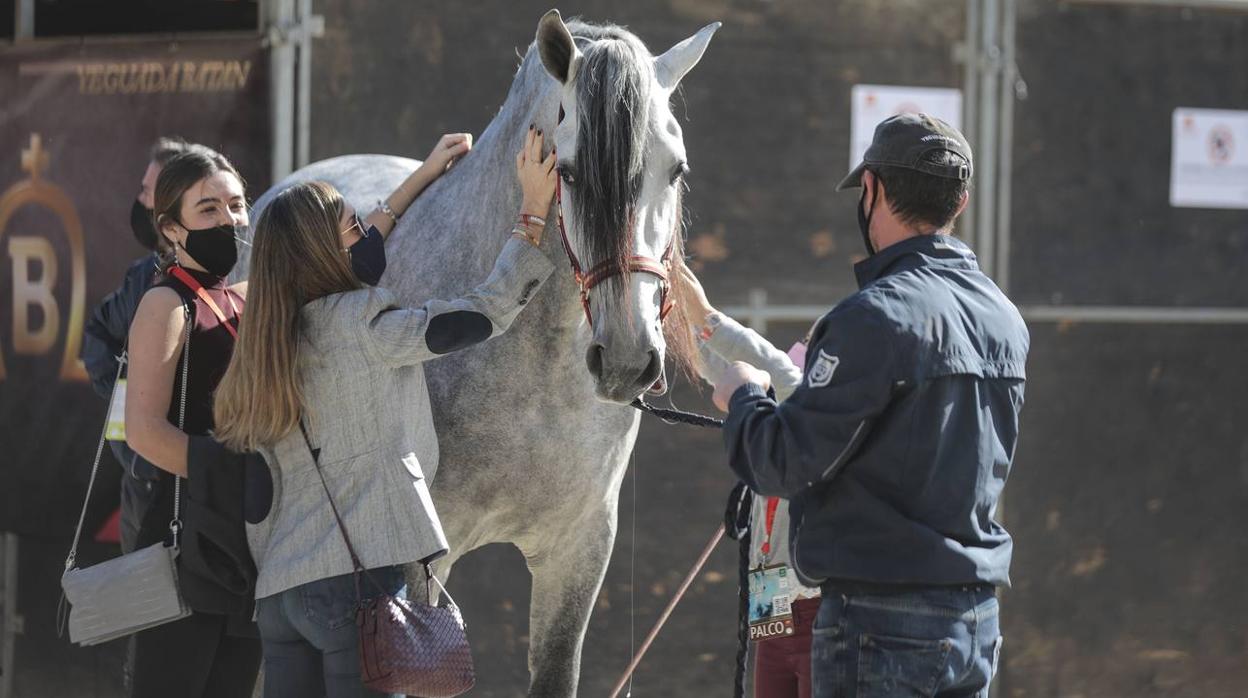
(607, 268)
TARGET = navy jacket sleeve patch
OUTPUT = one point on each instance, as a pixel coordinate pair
(780, 449)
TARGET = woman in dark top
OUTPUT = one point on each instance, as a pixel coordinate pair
(199, 203)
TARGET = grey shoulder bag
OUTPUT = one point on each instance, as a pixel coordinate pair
(138, 590)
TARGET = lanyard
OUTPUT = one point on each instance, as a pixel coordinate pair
(772, 503)
(189, 281)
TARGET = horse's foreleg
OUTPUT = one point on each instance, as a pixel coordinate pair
(567, 575)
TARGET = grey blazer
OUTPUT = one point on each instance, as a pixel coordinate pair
(367, 410)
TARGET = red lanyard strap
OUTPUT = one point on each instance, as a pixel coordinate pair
(769, 522)
(189, 281)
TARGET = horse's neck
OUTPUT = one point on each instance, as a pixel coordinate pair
(463, 219)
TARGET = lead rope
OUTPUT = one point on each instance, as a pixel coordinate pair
(632, 579)
(736, 525)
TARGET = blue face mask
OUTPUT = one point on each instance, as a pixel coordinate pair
(368, 255)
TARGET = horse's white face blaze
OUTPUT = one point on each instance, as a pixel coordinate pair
(627, 350)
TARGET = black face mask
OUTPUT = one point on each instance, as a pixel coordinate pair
(368, 256)
(214, 248)
(864, 220)
(141, 225)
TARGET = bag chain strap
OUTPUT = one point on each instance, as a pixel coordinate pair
(176, 524)
(95, 466)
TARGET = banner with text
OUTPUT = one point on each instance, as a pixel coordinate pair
(75, 129)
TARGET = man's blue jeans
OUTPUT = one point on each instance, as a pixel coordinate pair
(935, 642)
(310, 639)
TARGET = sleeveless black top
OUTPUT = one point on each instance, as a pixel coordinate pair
(212, 345)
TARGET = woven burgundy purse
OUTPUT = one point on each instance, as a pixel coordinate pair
(412, 648)
(406, 647)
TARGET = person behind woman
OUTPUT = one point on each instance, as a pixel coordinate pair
(328, 378)
(105, 332)
(782, 665)
(199, 203)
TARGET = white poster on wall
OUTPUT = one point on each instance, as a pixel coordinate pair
(1209, 158)
(875, 103)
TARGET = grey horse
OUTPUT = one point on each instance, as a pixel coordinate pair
(533, 445)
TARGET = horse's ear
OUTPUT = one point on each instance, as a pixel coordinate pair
(680, 59)
(555, 44)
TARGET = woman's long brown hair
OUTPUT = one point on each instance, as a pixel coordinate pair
(297, 257)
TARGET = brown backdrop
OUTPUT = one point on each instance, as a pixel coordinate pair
(76, 123)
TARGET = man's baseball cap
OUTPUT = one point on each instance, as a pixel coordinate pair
(906, 140)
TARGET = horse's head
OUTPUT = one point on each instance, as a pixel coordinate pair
(622, 165)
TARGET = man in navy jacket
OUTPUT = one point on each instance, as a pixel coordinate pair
(895, 448)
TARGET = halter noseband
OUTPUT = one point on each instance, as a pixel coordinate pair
(607, 268)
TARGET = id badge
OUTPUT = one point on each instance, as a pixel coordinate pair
(116, 429)
(771, 602)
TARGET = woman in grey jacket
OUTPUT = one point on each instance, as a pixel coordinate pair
(782, 611)
(327, 377)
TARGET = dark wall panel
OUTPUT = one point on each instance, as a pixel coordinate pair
(1128, 501)
(1092, 217)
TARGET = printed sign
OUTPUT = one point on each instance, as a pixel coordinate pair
(875, 103)
(1209, 159)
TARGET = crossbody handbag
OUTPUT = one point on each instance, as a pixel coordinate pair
(138, 590)
(418, 649)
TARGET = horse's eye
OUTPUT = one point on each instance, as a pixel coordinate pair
(565, 173)
(681, 171)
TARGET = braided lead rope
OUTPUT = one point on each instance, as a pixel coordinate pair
(736, 525)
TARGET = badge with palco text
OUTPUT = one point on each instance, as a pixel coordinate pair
(821, 372)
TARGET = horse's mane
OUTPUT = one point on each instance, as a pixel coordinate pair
(614, 90)
(613, 93)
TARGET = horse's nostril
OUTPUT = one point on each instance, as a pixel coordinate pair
(654, 369)
(593, 359)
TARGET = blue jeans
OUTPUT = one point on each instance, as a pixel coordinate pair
(936, 642)
(310, 639)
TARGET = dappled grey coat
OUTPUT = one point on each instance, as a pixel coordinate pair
(368, 413)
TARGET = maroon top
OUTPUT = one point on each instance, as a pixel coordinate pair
(212, 345)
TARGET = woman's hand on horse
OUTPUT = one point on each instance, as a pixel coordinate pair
(448, 149)
(537, 175)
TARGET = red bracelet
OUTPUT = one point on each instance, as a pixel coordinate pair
(527, 219)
